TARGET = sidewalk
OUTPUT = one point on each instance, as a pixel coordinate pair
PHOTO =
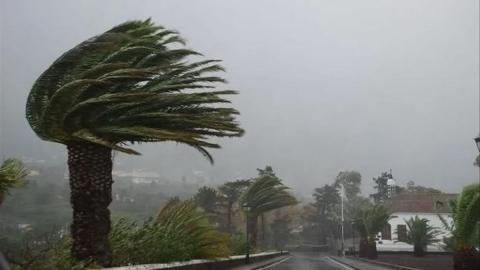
(259, 265)
(356, 264)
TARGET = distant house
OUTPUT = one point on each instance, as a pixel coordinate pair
(408, 205)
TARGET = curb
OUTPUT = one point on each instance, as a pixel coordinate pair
(389, 265)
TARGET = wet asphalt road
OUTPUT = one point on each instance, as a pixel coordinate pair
(302, 261)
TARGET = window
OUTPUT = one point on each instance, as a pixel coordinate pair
(402, 232)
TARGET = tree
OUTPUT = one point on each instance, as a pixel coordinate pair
(127, 85)
(368, 223)
(208, 199)
(266, 193)
(381, 187)
(12, 174)
(325, 215)
(231, 192)
(413, 188)
(420, 234)
(351, 181)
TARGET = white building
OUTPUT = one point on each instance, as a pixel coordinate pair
(408, 205)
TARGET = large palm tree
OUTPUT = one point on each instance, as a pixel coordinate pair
(12, 174)
(265, 194)
(133, 83)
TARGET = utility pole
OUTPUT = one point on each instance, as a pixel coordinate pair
(342, 191)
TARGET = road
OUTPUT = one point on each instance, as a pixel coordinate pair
(304, 261)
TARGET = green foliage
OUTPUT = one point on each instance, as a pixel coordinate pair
(208, 199)
(180, 232)
(12, 174)
(420, 233)
(50, 253)
(229, 194)
(381, 193)
(412, 188)
(351, 181)
(370, 221)
(130, 84)
(466, 212)
(266, 193)
(238, 243)
(231, 191)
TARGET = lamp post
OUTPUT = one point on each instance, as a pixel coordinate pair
(342, 191)
(353, 238)
(246, 208)
(477, 142)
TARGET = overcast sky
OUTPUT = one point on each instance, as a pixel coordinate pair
(325, 86)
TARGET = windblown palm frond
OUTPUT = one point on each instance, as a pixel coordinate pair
(12, 174)
(466, 212)
(267, 193)
(180, 232)
(131, 84)
(185, 221)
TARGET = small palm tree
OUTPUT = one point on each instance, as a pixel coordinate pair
(368, 223)
(265, 194)
(127, 85)
(181, 231)
(12, 174)
(420, 234)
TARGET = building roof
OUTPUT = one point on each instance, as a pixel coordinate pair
(421, 202)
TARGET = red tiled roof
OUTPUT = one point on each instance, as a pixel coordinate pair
(421, 202)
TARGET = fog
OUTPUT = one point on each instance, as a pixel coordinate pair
(324, 86)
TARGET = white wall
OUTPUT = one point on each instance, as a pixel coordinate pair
(399, 219)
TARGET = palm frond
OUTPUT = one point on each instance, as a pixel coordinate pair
(129, 85)
(12, 174)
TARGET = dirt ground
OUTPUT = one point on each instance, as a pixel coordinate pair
(429, 262)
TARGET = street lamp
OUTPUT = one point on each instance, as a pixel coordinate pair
(353, 238)
(477, 142)
(246, 208)
(342, 193)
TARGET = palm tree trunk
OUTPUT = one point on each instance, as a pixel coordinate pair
(90, 168)
(418, 250)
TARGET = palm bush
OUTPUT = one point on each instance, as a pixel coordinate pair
(465, 229)
(132, 84)
(368, 222)
(264, 194)
(180, 232)
(420, 234)
(12, 174)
